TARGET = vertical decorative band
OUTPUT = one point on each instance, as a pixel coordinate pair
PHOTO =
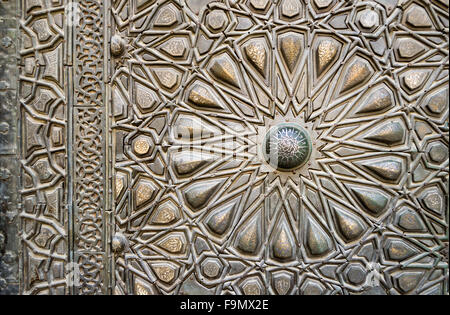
(89, 170)
(43, 103)
(88, 22)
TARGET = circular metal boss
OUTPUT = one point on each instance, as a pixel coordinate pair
(287, 146)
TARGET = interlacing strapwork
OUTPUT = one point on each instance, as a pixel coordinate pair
(230, 147)
(63, 147)
(195, 88)
(43, 100)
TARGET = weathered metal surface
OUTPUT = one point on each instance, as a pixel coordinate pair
(44, 107)
(89, 140)
(9, 168)
(196, 85)
(144, 134)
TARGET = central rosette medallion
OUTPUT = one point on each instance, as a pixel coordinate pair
(287, 146)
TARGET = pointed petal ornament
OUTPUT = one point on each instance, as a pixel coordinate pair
(358, 73)
(188, 162)
(378, 101)
(372, 200)
(389, 170)
(249, 238)
(198, 195)
(220, 221)
(202, 97)
(291, 45)
(390, 133)
(326, 53)
(317, 241)
(282, 246)
(223, 69)
(350, 226)
(257, 55)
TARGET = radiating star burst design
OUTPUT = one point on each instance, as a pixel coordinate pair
(358, 180)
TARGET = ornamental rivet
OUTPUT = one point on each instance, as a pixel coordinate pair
(119, 243)
(117, 45)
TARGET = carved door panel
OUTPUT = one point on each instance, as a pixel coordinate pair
(225, 147)
(267, 147)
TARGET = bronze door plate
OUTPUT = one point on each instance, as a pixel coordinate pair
(224, 147)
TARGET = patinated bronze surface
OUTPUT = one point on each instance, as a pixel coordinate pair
(224, 147)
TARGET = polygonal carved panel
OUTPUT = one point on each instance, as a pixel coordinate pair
(356, 200)
(279, 147)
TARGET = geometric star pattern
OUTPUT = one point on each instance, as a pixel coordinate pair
(195, 86)
(136, 149)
